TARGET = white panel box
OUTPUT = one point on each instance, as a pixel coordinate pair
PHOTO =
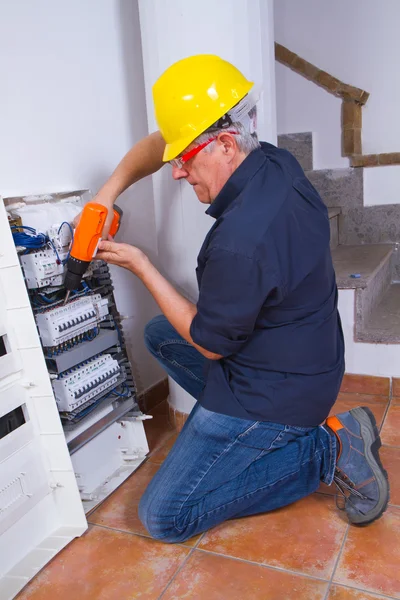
(59, 325)
(81, 384)
(24, 481)
(10, 360)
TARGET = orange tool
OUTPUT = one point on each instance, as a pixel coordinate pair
(86, 240)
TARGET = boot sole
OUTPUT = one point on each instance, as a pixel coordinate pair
(372, 443)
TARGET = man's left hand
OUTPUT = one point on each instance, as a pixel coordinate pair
(123, 255)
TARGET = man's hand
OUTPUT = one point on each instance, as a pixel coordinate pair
(123, 255)
(178, 310)
(106, 201)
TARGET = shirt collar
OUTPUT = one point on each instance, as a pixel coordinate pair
(236, 183)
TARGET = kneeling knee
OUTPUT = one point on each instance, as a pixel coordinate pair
(160, 526)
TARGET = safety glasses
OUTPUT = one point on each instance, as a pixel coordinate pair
(181, 160)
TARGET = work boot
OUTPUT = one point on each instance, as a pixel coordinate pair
(359, 475)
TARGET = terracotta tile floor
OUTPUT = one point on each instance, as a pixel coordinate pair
(306, 551)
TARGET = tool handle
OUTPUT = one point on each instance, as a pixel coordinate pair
(116, 222)
(88, 231)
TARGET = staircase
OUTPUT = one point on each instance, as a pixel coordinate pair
(365, 257)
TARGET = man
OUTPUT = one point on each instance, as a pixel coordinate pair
(262, 351)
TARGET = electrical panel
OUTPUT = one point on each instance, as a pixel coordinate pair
(70, 428)
(82, 341)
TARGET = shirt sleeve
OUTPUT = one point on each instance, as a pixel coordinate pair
(233, 290)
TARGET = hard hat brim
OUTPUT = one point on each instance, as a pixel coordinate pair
(176, 148)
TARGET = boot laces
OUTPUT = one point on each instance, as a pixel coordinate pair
(347, 491)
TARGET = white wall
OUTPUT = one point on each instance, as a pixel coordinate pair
(71, 104)
(241, 32)
(359, 43)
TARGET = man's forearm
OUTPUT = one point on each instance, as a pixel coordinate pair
(144, 158)
(177, 309)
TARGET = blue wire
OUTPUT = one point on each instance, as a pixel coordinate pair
(46, 299)
(31, 240)
(122, 395)
(55, 250)
(68, 225)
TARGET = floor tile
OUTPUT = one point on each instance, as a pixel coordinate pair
(217, 578)
(158, 431)
(337, 592)
(348, 401)
(391, 461)
(193, 541)
(371, 556)
(160, 455)
(391, 428)
(107, 565)
(304, 537)
(120, 510)
(366, 384)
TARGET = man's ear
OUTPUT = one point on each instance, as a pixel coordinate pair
(228, 142)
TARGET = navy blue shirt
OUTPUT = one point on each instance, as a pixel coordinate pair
(268, 297)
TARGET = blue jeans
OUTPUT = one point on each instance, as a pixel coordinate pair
(222, 467)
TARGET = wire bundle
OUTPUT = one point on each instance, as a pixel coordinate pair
(34, 241)
(31, 240)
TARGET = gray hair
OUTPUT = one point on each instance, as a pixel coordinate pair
(246, 141)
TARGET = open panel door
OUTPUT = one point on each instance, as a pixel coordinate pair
(40, 507)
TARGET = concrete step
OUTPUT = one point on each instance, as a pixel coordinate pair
(339, 187)
(300, 145)
(366, 269)
(383, 324)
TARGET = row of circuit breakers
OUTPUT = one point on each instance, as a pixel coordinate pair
(82, 341)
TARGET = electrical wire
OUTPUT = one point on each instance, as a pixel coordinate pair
(124, 386)
(72, 238)
(31, 240)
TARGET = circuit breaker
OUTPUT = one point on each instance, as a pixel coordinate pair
(70, 322)
(80, 384)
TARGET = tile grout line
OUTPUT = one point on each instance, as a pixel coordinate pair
(377, 594)
(122, 531)
(389, 404)
(337, 561)
(265, 566)
(176, 573)
(144, 535)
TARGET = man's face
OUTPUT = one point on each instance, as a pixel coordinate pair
(208, 172)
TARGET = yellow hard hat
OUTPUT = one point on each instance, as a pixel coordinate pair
(193, 94)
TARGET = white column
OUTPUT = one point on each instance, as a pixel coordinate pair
(240, 31)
